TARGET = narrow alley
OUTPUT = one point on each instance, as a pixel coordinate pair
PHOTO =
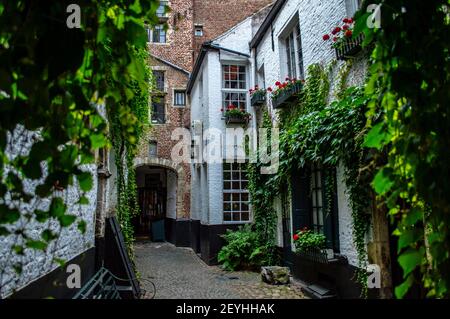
(178, 273)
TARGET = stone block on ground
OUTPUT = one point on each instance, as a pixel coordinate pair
(275, 275)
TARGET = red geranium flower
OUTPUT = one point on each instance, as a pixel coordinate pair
(348, 33)
(278, 83)
(296, 237)
(345, 27)
(350, 20)
(269, 89)
(345, 20)
(335, 39)
(326, 37)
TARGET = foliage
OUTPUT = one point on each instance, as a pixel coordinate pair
(234, 111)
(307, 239)
(409, 83)
(288, 85)
(125, 151)
(330, 133)
(52, 80)
(341, 35)
(262, 195)
(256, 91)
(243, 250)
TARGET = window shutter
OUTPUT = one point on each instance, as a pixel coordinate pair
(331, 227)
(301, 204)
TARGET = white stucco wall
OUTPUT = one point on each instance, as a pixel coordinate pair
(316, 18)
(70, 242)
(207, 184)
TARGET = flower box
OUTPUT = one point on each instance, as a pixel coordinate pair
(287, 96)
(322, 256)
(258, 98)
(349, 47)
(232, 119)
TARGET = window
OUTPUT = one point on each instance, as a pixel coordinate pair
(153, 149)
(290, 53)
(236, 206)
(315, 203)
(300, 53)
(161, 12)
(294, 54)
(198, 31)
(158, 111)
(179, 98)
(352, 6)
(317, 198)
(234, 87)
(159, 34)
(159, 79)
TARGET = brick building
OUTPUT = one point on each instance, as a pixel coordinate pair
(174, 44)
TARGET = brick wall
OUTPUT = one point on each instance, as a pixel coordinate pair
(178, 49)
(217, 16)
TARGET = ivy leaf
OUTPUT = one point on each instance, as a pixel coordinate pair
(66, 220)
(377, 137)
(7, 215)
(61, 262)
(97, 140)
(36, 244)
(18, 268)
(57, 207)
(41, 216)
(47, 235)
(82, 226)
(85, 180)
(407, 238)
(83, 201)
(18, 249)
(409, 260)
(401, 290)
(4, 231)
(383, 182)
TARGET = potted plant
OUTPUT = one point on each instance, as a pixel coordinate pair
(258, 96)
(312, 245)
(235, 115)
(344, 43)
(286, 92)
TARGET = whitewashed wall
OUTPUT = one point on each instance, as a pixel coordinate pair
(70, 243)
(316, 18)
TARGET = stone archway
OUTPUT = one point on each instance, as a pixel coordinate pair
(181, 177)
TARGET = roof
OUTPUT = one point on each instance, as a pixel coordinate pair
(171, 64)
(206, 47)
(267, 23)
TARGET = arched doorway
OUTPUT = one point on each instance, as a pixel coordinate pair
(160, 185)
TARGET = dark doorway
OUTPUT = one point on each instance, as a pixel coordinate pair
(152, 199)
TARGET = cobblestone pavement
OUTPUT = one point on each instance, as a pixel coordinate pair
(178, 273)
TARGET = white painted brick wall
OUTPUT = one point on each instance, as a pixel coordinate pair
(316, 18)
(70, 243)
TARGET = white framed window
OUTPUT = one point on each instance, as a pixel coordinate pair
(161, 12)
(236, 201)
(158, 34)
(294, 53)
(198, 31)
(153, 149)
(179, 98)
(234, 86)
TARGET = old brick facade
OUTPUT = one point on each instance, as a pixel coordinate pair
(175, 57)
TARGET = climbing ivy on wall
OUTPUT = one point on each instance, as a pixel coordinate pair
(125, 149)
(52, 80)
(262, 195)
(330, 134)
